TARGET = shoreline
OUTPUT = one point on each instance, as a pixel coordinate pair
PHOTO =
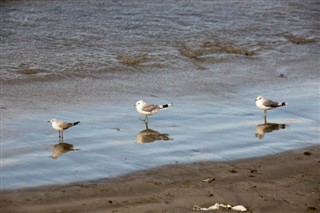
(284, 182)
(17, 102)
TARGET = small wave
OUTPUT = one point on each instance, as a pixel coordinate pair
(299, 40)
(132, 60)
(214, 51)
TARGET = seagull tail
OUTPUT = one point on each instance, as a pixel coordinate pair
(75, 123)
(167, 105)
(284, 104)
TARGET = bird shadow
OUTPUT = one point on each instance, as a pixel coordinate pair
(61, 148)
(149, 135)
(262, 129)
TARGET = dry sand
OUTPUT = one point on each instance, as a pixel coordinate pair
(286, 182)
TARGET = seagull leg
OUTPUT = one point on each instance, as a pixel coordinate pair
(59, 136)
(147, 125)
(146, 119)
(265, 116)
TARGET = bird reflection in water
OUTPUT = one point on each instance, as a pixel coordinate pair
(148, 136)
(61, 148)
(262, 129)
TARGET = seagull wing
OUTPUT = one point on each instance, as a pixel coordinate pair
(150, 107)
(65, 125)
(269, 103)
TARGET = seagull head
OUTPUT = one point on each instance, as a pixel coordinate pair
(259, 98)
(52, 120)
(139, 103)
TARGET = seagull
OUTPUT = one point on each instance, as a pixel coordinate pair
(149, 109)
(266, 104)
(61, 125)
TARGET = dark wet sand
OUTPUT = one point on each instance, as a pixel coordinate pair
(286, 182)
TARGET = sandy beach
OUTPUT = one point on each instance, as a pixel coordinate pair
(286, 182)
(91, 61)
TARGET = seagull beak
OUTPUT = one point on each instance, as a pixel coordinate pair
(48, 122)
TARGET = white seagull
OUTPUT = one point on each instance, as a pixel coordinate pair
(149, 109)
(266, 104)
(61, 125)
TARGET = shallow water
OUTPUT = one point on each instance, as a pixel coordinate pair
(91, 61)
(112, 140)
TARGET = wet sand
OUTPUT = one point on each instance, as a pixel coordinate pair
(285, 182)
